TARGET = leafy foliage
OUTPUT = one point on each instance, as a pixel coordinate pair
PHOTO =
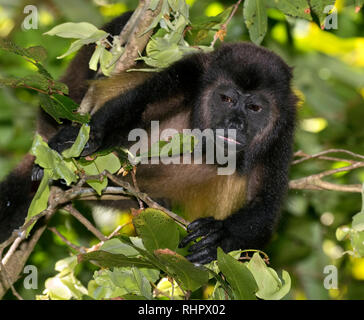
(134, 266)
(51, 93)
(128, 258)
(329, 76)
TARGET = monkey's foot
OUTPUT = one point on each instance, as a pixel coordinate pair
(212, 232)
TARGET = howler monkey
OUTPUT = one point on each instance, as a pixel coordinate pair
(239, 86)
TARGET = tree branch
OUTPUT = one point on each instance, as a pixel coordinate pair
(315, 182)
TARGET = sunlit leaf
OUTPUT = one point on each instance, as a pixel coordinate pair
(294, 8)
(52, 161)
(157, 230)
(110, 260)
(256, 19)
(40, 200)
(116, 246)
(80, 30)
(270, 287)
(319, 8)
(79, 144)
(109, 162)
(238, 275)
(189, 276)
(59, 106)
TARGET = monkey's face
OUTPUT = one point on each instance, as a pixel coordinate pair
(237, 116)
(246, 89)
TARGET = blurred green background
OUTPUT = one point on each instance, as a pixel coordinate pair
(329, 76)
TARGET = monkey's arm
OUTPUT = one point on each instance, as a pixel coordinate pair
(252, 226)
(123, 113)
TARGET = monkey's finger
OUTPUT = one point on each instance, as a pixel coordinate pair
(37, 173)
(192, 236)
(206, 228)
(199, 223)
(210, 240)
(202, 257)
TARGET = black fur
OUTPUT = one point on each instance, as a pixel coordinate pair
(251, 69)
(16, 193)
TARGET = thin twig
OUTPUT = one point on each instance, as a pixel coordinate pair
(145, 198)
(74, 212)
(315, 182)
(133, 176)
(9, 283)
(13, 248)
(224, 26)
(308, 157)
(66, 241)
(116, 231)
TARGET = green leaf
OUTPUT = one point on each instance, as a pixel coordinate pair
(270, 287)
(110, 260)
(66, 265)
(80, 30)
(105, 62)
(116, 246)
(358, 219)
(143, 284)
(342, 232)
(81, 140)
(256, 19)
(157, 230)
(153, 5)
(211, 23)
(318, 7)
(357, 241)
(358, 222)
(103, 287)
(151, 274)
(59, 106)
(238, 275)
(46, 74)
(36, 53)
(132, 280)
(51, 160)
(219, 294)
(57, 290)
(189, 276)
(109, 162)
(40, 200)
(76, 45)
(94, 61)
(34, 81)
(205, 24)
(294, 8)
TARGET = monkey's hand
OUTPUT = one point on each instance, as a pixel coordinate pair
(63, 140)
(66, 137)
(214, 234)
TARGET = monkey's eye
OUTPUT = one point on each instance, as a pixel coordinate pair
(254, 108)
(226, 99)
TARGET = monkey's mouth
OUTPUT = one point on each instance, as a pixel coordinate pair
(229, 140)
